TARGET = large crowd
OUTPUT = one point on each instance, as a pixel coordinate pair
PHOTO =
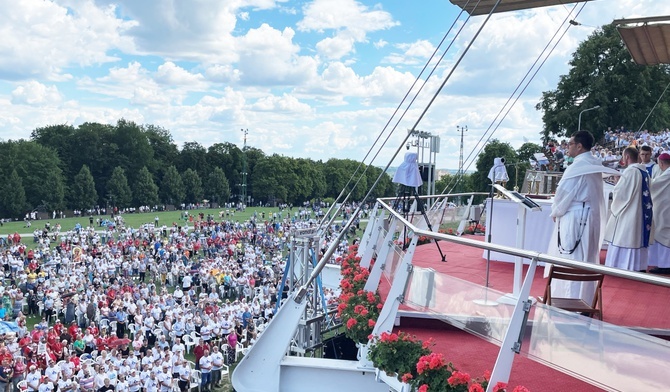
(120, 308)
(610, 151)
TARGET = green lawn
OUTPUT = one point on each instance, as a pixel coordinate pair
(137, 219)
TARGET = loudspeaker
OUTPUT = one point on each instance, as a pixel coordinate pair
(425, 170)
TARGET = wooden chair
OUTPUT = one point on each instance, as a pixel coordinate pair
(575, 304)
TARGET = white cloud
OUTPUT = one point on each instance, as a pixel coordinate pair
(269, 57)
(171, 74)
(36, 93)
(42, 38)
(421, 48)
(335, 47)
(222, 73)
(323, 15)
(379, 44)
(350, 20)
(284, 103)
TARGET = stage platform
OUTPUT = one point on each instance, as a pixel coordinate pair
(639, 306)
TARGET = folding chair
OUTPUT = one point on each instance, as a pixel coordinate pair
(575, 304)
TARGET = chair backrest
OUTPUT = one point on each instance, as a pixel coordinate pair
(574, 275)
(188, 340)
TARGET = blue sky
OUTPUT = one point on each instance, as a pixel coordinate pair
(315, 79)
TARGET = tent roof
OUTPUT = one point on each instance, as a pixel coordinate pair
(485, 6)
(649, 44)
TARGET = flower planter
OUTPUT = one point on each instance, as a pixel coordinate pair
(392, 382)
(362, 356)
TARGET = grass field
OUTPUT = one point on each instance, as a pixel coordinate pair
(137, 219)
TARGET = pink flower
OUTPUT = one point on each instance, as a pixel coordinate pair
(423, 388)
(458, 378)
(476, 388)
(407, 377)
(351, 322)
(519, 388)
(500, 387)
(371, 323)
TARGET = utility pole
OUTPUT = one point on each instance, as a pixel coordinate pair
(459, 179)
(244, 168)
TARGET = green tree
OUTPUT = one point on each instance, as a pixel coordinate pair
(384, 187)
(493, 149)
(338, 174)
(82, 193)
(133, 151)
(146, 190)
(272, 179)
(60, 138)
(451, 183)
(39, 169)
(92, 146)
(253, 155)
(118, 191)
(603, 73)
(12, 196)
(228, 157)
(165, 151)
(193, 156)
(172, 187)
(524, 153)
(217, 187)
(193, 186)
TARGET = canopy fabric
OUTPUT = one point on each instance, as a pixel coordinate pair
(485, 6)
(649, 44)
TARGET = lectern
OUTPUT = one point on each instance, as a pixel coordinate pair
(525, 204)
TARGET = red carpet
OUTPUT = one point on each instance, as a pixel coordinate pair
(625, 303)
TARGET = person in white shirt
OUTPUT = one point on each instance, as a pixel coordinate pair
(33, 379)
(53, 373)
(46, 386)
(122, 385)
(178, 347)
(151, 383)
(184, 377)
(205, 371)
(134, 382)
(165, 379)
(217, 364)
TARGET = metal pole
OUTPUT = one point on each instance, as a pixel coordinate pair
(244, 168)
(460, 162)
(579, 123)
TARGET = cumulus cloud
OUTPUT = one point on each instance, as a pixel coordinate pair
(171, 74)
(379, 44)
(36, 93)
(350, 20)
(40, 39)
(284, 103)
(306, 80)
(270, 57)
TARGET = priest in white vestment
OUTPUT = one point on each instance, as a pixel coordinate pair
(579, 211)
(659, 251)
(630, 226)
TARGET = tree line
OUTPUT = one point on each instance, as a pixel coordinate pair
(129, 165)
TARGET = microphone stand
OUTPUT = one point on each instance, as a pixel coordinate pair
(486, 301)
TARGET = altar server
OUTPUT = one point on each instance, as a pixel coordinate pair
(659, 251)
(629, 228)
(579, 211)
